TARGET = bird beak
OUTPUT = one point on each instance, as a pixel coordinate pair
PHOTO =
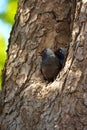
(40, 54)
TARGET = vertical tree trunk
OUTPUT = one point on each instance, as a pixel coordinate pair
(29, 102)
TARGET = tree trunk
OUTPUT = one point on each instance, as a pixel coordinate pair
(29, 101)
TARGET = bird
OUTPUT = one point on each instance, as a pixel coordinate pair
(50, 65)
(61, 54)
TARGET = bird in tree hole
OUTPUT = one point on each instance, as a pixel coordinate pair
(52, 62)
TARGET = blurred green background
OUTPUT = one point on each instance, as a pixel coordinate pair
(7, 13)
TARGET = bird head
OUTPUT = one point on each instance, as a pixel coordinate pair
(47, 52)
(61, 53)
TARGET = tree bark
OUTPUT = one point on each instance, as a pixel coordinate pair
(30, 102)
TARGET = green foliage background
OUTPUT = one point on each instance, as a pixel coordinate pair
(2, 57)
(8, 17)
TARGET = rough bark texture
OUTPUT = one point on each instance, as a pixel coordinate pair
(29, 102)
